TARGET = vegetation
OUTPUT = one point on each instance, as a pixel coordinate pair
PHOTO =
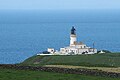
(12, 74)
(96, 60)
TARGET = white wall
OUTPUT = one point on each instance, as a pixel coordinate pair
(73, 39)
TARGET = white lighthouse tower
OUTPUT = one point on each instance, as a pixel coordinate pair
(74, 48)
(73, 37)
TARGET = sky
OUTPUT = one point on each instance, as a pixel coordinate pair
(59, 4)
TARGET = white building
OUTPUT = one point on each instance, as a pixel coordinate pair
(75, 47)
(51, 50)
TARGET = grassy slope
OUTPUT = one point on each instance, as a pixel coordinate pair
(11, 74)
(99, 60)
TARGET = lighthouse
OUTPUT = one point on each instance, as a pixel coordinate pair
(73, 37)
(74, 48)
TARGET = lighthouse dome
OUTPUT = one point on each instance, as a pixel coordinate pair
(73, 30)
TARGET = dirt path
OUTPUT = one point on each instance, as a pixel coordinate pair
(107, 69)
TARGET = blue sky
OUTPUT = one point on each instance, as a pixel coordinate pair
(59, 4)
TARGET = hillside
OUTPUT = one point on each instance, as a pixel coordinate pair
(96, 60)
(99, 67)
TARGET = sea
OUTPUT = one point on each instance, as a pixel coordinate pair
(25, 33)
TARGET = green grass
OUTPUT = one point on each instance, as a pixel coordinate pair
(96, 60)
(11, 74)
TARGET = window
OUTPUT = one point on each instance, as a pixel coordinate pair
(84, 46)
(66, 50)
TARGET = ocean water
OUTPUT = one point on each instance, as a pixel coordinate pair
(20, 38)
